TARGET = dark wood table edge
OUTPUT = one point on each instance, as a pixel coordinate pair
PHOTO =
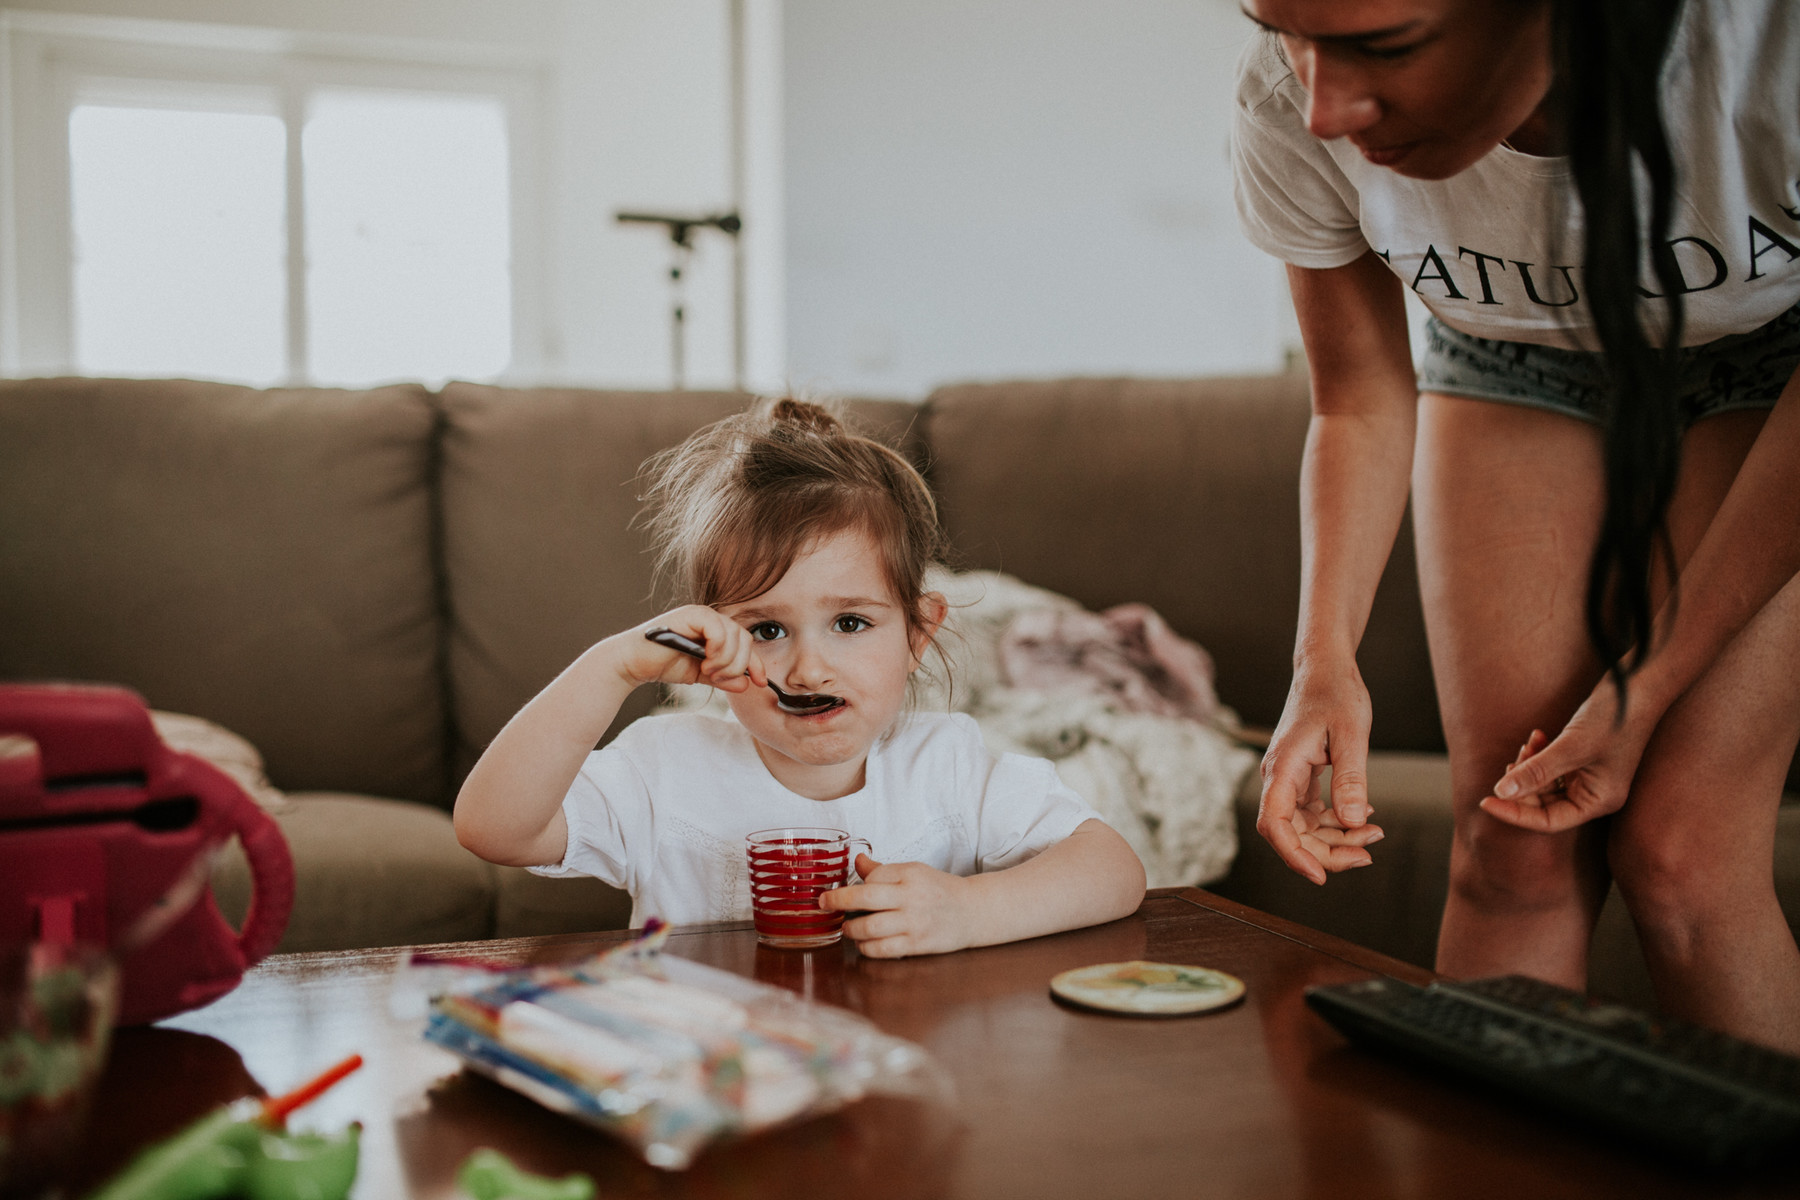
(1325, 943)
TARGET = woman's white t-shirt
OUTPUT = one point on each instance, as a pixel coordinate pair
(663, 810)
(1495, 250)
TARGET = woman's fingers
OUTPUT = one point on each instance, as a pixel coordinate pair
(1287, 843)
(1325, 818)
(1350, 778)
(1275, 821)
(1533, 743)
(1312, 839)
(1569, 801)
(1533, 775)
(1344, 858)
(1544, 764)
(1539, 818)
(1330, 835)
(1557, 787)
(1324, 726)
(1337, 849)
(1564, 815)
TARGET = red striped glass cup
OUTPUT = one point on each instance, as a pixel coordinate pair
(789, 870)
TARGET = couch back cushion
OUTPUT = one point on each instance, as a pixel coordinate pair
(1183, 494)
(542, 554)
(258, 558)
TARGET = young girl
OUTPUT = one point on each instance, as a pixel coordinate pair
(803, 551)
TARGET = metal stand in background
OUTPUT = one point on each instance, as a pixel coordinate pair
(681, 246)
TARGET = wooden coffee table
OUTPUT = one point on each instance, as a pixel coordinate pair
(1259, 1100)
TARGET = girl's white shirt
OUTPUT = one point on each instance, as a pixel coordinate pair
(663, 810)
(1495, 251)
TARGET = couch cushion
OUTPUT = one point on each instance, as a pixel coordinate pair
(225, 750)
(258, 558)
(370, 872)
(1392, 905)
(542, 558)
(1183, 494)
(528, 904)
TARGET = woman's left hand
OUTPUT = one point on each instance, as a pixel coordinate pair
(1586, 772)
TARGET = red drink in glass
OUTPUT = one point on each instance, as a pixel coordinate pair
(789, 870)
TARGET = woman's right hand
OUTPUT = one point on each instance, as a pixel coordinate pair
(1325, 723)
(731, 663)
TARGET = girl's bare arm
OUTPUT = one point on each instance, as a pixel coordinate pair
(1093, 875)
(509, 810)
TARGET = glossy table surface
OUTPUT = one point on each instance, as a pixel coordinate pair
(1262, 1099)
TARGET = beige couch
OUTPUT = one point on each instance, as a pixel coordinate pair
(367, 584)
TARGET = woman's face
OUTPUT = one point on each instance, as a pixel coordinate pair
(1422, 87)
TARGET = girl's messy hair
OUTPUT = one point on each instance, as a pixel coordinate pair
(731, 508)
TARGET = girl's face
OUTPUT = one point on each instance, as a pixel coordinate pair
(1422, 87)
(831, 624)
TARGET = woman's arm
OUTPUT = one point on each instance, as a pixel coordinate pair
(1090, 876)
(1749, 552)
(509, 810)
(1353, 487)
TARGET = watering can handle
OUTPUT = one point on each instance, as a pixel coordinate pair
(271, 865)
(272, 878)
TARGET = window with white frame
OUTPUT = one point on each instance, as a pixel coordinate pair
(262, 214)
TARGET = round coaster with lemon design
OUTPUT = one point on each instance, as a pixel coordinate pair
(1148, 989)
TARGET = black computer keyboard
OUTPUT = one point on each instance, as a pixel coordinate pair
(1674, 1087)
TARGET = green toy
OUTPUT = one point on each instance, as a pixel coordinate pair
(490, 1175)
(242, 1149)
(302, 1166)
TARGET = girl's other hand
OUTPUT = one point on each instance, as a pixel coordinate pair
(908, 908)
(1324, 724)
(731, 663)
(1586, 772)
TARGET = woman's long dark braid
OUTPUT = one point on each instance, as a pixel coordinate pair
(1610, 59)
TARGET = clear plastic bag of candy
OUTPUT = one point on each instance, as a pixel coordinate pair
(671, 1055)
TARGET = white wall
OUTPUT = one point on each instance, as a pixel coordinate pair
(993, 188)
(638, 115)
(933, 189)
(645, 114)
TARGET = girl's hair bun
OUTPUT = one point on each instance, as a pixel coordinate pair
(801, 416)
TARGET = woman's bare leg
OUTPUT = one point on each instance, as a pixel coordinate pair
(1693, 848)
(1506, 505)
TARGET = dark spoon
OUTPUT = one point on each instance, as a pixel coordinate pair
(803, 705)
